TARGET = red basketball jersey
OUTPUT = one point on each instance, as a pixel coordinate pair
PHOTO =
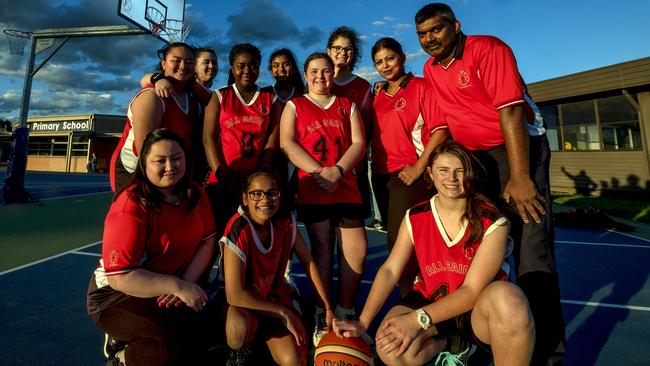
(264, 267)
(359, 92)
(178, 117)
(404, 123)
(443, 261)
(244, 128)
(325, 133)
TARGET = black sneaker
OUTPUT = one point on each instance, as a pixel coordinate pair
(112, 346)
(239, 357)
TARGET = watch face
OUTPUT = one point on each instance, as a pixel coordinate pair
(423, 319)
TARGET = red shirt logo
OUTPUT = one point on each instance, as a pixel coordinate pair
(262, 108)
(463, 79)
(113, 257)
(400, 104)
(469, 253)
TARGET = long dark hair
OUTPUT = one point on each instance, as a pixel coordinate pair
(144, 191)
(477, 205)
(294, 79)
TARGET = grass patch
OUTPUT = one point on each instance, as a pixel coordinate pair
(636, 210)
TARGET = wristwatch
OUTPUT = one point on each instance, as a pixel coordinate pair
(423, 319)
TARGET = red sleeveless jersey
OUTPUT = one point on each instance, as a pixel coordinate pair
(325, 133)
(244, 128)
(264, 267)
(181, 118)
(444, 262)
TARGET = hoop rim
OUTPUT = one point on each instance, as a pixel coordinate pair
(176, 33)
(17, 33)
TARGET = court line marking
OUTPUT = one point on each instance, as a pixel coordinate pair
(48, 258)
(605, 305)
(365, 282)
(601, 244)
(72, 196)
(86, 253)
(626, 234)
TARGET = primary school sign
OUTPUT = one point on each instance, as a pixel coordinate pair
(60, 126)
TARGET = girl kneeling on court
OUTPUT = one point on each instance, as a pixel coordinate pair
(460, 240)
(159, 237)
(258, 246)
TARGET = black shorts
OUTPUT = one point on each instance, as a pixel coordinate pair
(344, 215)
(460, 325)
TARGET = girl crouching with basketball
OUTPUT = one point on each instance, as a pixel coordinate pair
(460, 240)
(258, 246)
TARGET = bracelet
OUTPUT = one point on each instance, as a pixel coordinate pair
(341, 170)
(155, 77)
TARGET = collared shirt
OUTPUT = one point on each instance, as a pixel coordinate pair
(481, 78)
(403, 124)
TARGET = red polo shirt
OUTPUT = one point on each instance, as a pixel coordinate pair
(481, 78)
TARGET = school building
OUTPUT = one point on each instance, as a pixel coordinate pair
(598, 128)
(66, 143)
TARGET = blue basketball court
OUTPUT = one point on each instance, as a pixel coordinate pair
(603, 278)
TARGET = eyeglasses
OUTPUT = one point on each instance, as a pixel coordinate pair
(272, 195)
(339, 49)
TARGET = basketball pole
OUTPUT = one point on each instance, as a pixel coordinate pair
(14, 189)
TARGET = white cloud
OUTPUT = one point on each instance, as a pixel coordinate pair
(402, 26)
(419, 53)
(368, 73)
(390, 19)
(378, 23)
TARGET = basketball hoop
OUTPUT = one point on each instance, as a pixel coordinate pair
(156, 20)
(17, 40)
(176, 30)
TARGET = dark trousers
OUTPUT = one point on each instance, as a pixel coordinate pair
(534, 246)
(155, 336)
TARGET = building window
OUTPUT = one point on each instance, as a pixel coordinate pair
(620, 124)
(79, 146)
(551, 120)
(579, 126)
(609, 124)
(48, 146)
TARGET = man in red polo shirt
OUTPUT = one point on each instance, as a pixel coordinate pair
(478, 87)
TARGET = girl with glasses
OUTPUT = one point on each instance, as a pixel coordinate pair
(258, 245)
(343, 47)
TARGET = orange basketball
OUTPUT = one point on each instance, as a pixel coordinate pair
(335, 351)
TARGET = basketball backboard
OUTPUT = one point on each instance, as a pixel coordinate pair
(152, 15)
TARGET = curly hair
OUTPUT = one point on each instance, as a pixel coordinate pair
(353, 37)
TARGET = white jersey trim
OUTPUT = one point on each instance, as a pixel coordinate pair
(127, 156)
(253, 99)
(450, 242)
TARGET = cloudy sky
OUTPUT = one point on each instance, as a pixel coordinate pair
(99, 75)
